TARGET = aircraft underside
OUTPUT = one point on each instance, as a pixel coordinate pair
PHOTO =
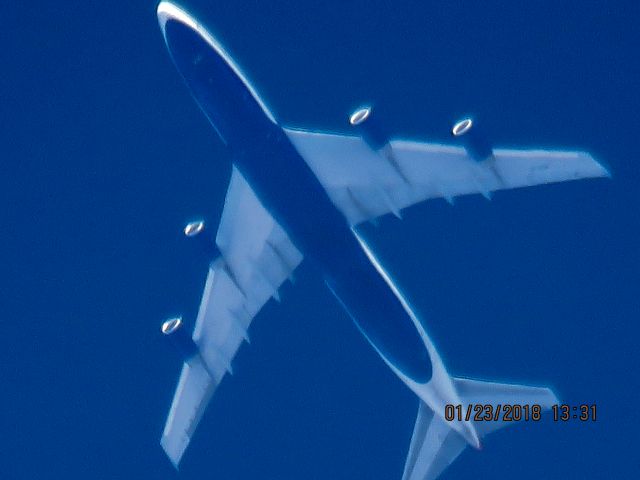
(297, 193)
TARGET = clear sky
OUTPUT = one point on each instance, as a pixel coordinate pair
(104, 156)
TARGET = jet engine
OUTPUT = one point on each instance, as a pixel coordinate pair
(375, 136)
(198, 231)
(193, 229)
(473, 140)
(174, 330)
(370, 129)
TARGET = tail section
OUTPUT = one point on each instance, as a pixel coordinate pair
(503, 404)
(434, 446)
(484, 407)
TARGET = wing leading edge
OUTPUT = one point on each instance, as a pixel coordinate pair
(257, 257)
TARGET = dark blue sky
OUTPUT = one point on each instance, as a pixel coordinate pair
(104, 156)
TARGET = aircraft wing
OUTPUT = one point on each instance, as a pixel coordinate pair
(364, 183)
(257, 257)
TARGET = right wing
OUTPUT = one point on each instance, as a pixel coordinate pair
(257, 257)
(364, 183)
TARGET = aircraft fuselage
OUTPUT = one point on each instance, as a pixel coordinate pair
(289, 190)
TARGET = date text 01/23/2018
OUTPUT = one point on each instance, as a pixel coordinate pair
(479, 412)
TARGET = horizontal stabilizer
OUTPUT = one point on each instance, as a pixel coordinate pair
(477, 392)
(435, 443)
(434, 446)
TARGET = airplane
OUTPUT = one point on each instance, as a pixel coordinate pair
(296, 193)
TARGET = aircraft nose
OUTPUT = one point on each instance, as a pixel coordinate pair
(167, 11)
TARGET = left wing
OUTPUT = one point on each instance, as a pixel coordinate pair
(257, 257)
(365, 183)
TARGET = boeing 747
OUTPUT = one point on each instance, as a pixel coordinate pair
(298, 193)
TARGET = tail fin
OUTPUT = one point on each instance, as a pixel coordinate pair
(499, 395)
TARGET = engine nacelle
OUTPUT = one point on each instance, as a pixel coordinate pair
(180, 338)
(370, 129)
(375, 137)
(193, 229)
(198, 231)
(473, 140)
